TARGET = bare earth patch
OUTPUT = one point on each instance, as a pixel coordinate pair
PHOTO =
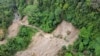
(14, 28)
(45, 44)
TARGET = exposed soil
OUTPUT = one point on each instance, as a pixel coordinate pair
(45, 44)
(14, 28)
(3, 42)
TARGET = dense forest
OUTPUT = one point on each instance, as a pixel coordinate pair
(47, 14)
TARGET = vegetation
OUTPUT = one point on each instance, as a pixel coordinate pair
(42, 14)
(5, 13)
(84, 17)
(7, 10)
(5, 16)
(18, 43)
(47, 14)
(79, 12)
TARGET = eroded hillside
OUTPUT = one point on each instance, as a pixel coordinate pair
(48, 44)
(48, 27)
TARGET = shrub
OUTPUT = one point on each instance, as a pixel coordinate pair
(18, 43)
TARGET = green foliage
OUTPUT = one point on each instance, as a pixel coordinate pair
(81, 46)
(5, 13)
(80, 54)
(68, 54)
(58, 11)
(42, 18)
(31, 10)
(65, 6)
(88, 2)
(18, 43)
(97, 49)
(84, 33)
(80, 14)
(25, 31)
(47, 14)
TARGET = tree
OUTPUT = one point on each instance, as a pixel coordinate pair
(97, 49)
(68, 54)
(81, 46)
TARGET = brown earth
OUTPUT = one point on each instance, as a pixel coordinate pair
(45, 44)
(14, 28)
